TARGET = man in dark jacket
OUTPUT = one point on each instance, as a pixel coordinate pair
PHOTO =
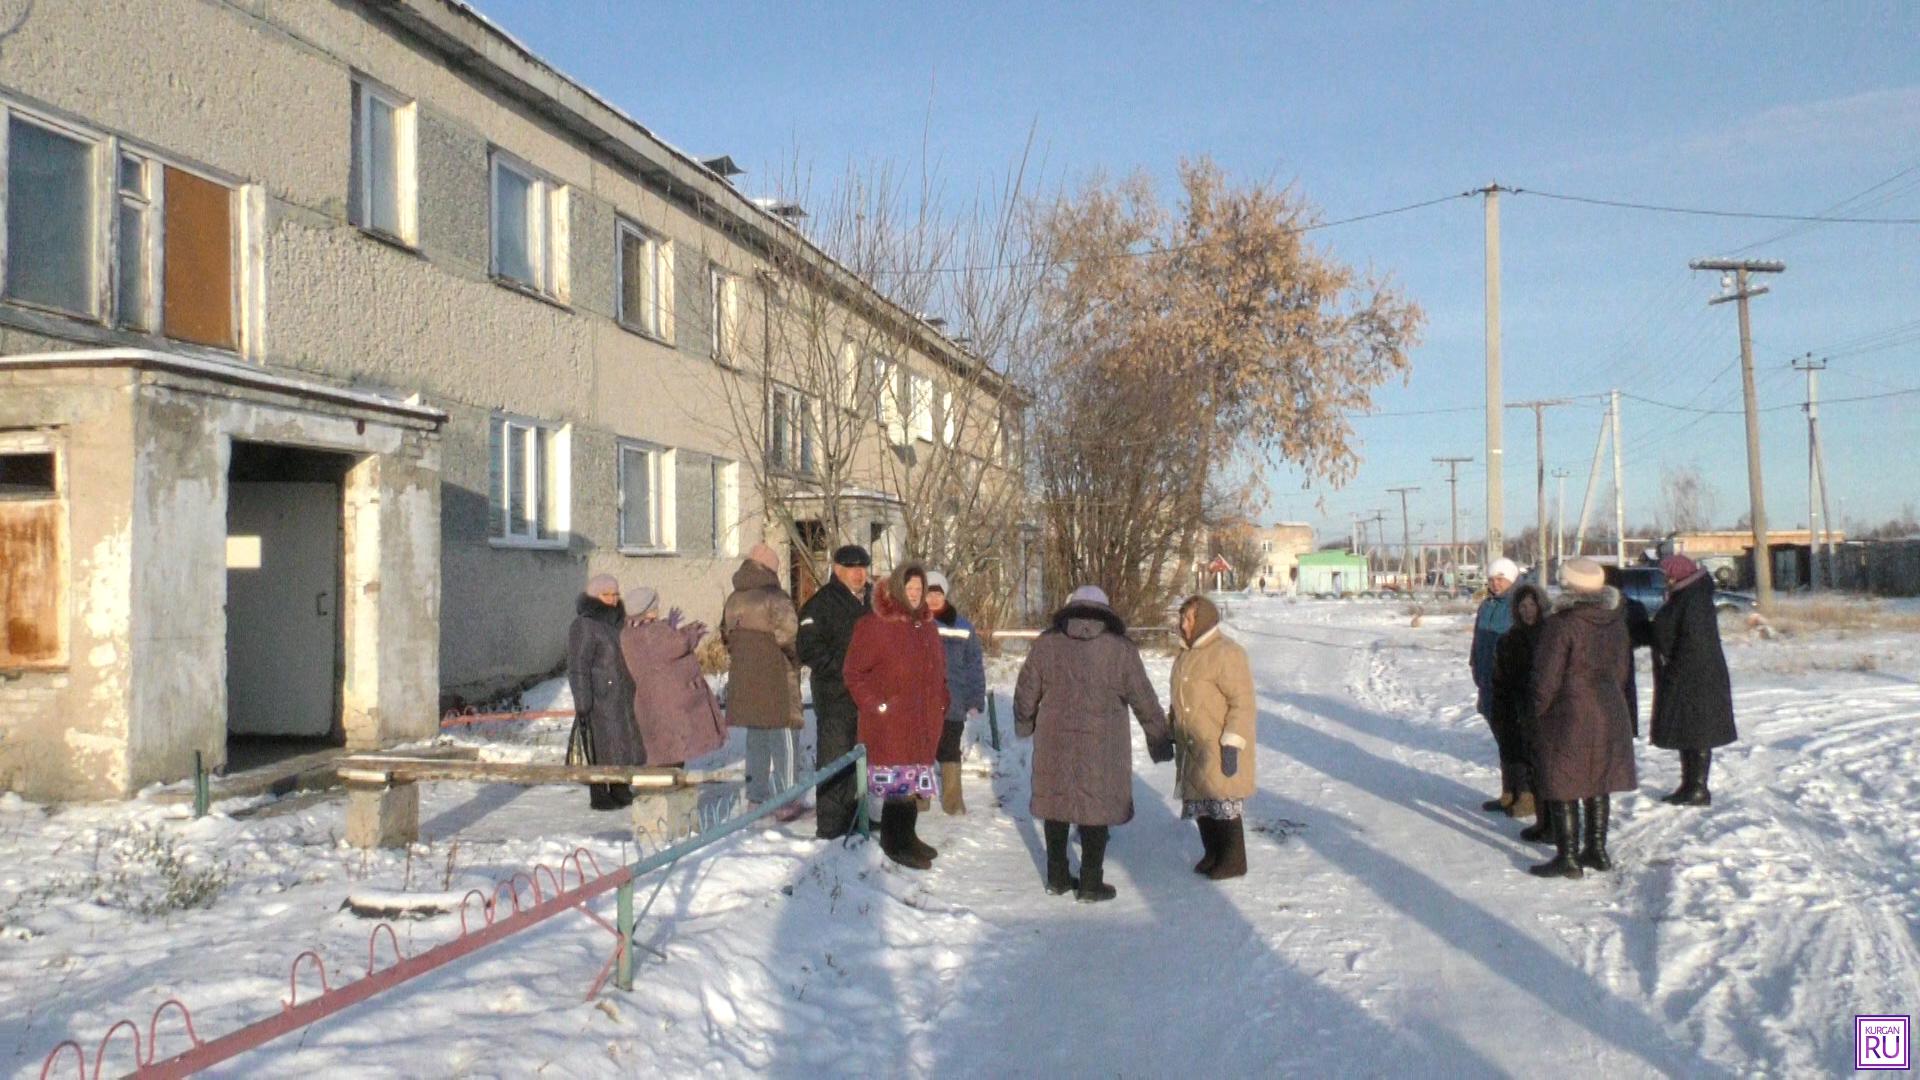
(1074, 691)
(602, 688)
(826, 629)
(1692, 691)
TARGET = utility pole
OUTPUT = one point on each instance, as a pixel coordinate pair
(1379, 520)
(1593, 483)
(1496, 516)
(1560, 519)
(1406, 536)
(1453, 498)
(1619, 486)
(1540, 469)
(1816, 488)
(1741, 270)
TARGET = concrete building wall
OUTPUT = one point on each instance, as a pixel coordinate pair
(63, 730)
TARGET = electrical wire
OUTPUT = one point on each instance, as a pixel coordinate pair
(1695, 211)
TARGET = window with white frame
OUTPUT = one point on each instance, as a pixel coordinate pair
(949, 420)
(528, 467)
(723, 306)
(381, 195)
(849, 376)
(646, 281)
(920, 406)
(104, 231)
(645, 494)
(706, 504)
(889, 393)
(790, 434)
(529, 227)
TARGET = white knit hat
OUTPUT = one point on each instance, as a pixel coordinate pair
(1583, 575)
(938, 580)
(1090, 594)
(1505, 568)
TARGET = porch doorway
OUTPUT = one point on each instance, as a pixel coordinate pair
(285, 521)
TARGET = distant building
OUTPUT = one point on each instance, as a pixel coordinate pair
(1280, 549)
(1332, 573)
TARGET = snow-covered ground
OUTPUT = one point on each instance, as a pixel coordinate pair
(1387, 926)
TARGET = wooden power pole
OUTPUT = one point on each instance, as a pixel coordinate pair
(1540, 471)
(1406, 537)
(1737, 273)
(1453, 498)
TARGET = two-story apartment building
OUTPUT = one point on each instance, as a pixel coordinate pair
(340, 341)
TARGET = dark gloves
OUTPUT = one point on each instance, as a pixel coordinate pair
(1229, 760)
(1160, 750)
(673, 618)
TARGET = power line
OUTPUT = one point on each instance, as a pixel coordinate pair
(1752, 215)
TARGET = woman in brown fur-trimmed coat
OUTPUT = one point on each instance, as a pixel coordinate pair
(1583, 731)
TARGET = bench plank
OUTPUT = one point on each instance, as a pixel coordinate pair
(393, 770)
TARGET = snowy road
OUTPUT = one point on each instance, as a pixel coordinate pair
(1387, 926)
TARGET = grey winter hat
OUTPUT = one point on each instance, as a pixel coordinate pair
(1090, 594)
(601, 584)
(938, 580)
(641, 600)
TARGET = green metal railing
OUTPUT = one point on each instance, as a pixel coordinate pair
(626, 918)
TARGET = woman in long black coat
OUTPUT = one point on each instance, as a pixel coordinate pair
(1512, 703)
(1584, 734)
(602, 688)
(1692, 693)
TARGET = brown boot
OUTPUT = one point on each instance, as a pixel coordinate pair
(951, 799)
(1522, 805)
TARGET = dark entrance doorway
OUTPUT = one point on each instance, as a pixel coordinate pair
(284, 657)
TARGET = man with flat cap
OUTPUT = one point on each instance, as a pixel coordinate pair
(826, 629)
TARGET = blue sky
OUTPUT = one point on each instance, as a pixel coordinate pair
(1751, 107)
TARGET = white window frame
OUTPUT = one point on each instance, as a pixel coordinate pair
(800, 452)
(248, 287)
(851, 375)
(726, 507)
(723, 305)
(405, 161)
(660, 466)
(890, 409)
(949, 420)
(657, 321)
(549, 252)
(559, 452)
(920, 407)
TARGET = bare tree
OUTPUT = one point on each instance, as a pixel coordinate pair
(1686, 499)
(858, 403)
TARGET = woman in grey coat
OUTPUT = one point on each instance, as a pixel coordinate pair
(1072, 698)
(602, 689)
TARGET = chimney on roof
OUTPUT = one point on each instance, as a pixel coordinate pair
(723, 166)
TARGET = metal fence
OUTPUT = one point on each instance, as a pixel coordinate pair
(519, 903)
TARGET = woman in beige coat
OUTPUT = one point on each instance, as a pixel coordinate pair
(1213, 730)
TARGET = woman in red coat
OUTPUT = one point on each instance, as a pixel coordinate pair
(896, 672)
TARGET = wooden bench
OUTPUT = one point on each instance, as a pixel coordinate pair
(383, 794)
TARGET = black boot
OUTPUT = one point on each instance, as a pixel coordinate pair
(1687, 780)
(603, 797)
(1093, 859)
(1565, 820)
(1702, 765)
(896, 828)
(1210, 840)
(1059, 879)
(912, 838)
(1233, 850)
(1594, 856)
(1541, 831)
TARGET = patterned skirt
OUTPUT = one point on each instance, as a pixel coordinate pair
(1219, 809)
(904, 782)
